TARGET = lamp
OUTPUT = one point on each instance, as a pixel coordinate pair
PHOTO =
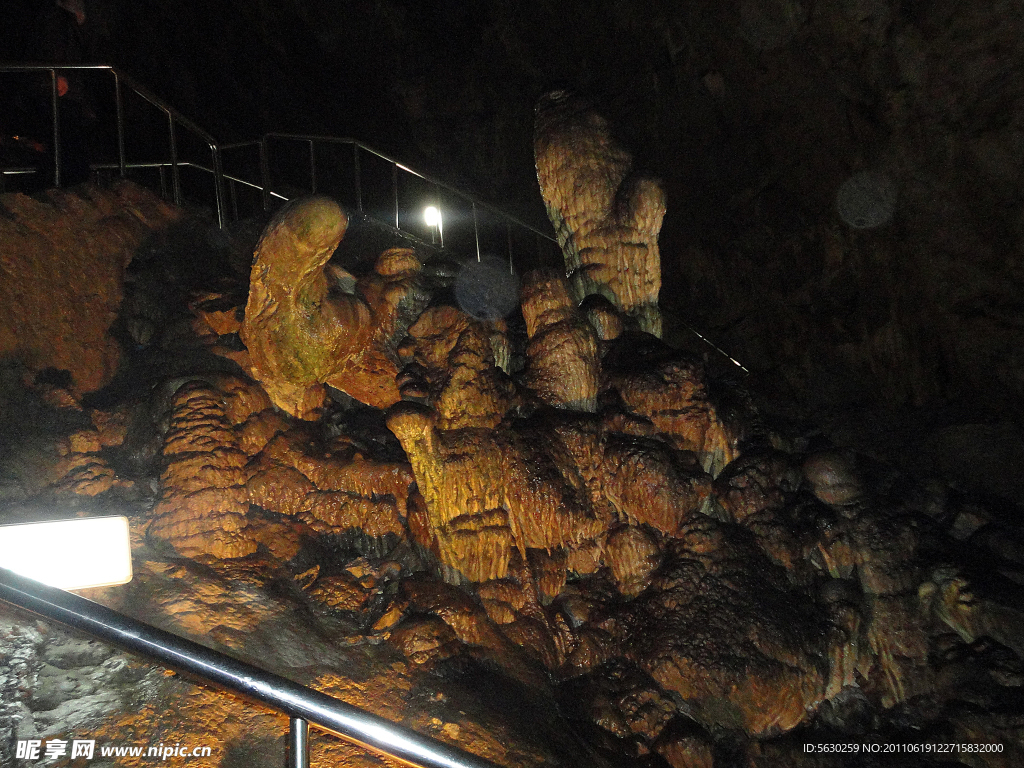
(69, 554)
(432, 218)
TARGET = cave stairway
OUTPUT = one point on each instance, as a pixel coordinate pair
(126, 131)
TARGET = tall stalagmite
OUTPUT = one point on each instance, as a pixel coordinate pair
(607, 218)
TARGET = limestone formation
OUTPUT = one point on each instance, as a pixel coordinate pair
(487, 494)
(332, 489)
(593, 526)
(62, 264)
(203, 505)
(607, 218)
(302, 333)
(668, 399)
(703, 627)
(563, 368)
(450, 362)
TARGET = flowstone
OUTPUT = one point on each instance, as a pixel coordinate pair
(590, 557)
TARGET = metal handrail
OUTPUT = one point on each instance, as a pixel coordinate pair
(426, 177)
(175, 118)
(303, 705)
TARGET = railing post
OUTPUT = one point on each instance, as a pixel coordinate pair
(298, 743)
(56, 127)
(359, 181)
(312, 166)
(508, 233)
(394, 190)
(440, 215)
(218, 185)
(265, 172)
(476, 230)
(122, 164)
(175, 177)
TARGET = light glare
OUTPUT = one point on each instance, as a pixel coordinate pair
(69, 554)
(432, 216)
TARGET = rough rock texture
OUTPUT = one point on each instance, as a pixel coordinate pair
(666, 396)
(563, 367)
(302, 333)
(331, 488)
(607, 219)
(62, 264)
(620, 565)
(203, 505)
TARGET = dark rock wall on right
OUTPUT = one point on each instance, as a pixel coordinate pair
(849, 222)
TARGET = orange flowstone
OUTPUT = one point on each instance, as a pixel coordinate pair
(63, 261)
(302, 333)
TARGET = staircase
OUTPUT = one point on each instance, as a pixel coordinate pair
(131, 133)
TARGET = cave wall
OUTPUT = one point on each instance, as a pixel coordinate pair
(755, 114)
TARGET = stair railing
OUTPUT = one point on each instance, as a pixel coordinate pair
(493, 230)
(259, 177)
(304, 706)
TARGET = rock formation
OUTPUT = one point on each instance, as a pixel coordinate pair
(62, 262)
(598, 534)
(563, 367)
(606, 217)
(301, 332)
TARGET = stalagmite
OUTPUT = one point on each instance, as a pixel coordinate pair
(301, 333)
(607, 218)
(563, 368)
(203, 504)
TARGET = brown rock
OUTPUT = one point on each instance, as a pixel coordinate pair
(563, 368)
(426, 640)
(330, 491)
(63, 261)
(684, 744)
(633, 556)
(203, 503)
(647, 482)
(756, 483)
(606, 218)
(669, 400)
(88, 475)
(702, 631)
(342, 592)
(301, 335)
(833, 478)
(454, 358)
(486, 493)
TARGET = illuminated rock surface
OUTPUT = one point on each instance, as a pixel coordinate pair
(592, 557)
(607, 219)
(302, 333)
(62, 261)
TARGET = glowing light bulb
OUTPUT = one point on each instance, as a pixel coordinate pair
(432, 216)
